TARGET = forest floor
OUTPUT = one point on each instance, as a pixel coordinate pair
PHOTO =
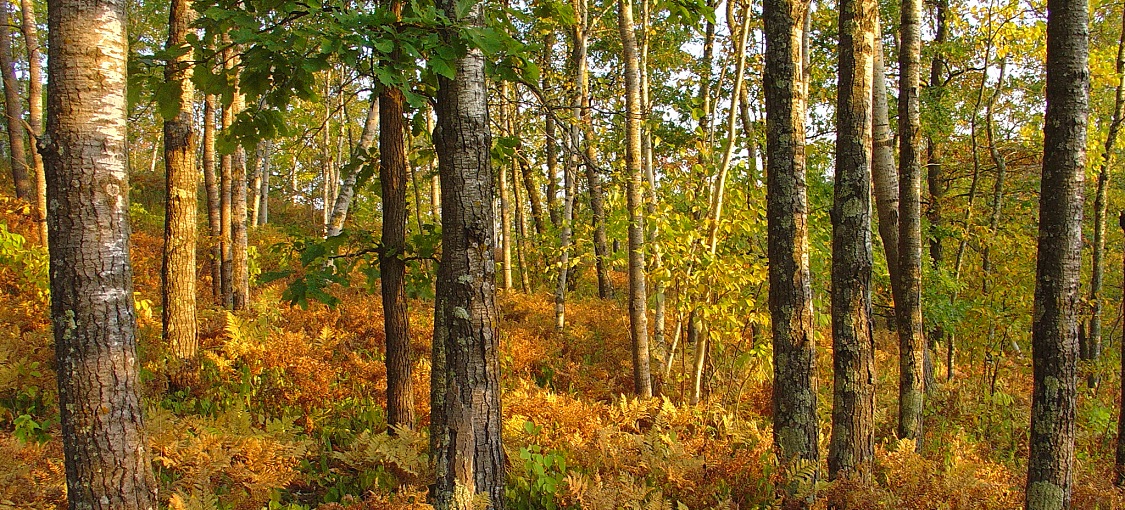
(287, 412)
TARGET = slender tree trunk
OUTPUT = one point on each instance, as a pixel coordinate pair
(1050, 473)
(593, 180)
(908, 302)
(214, 206)
(883, 171)
(1001, 171)
(240, 268)
(265, 155)
(84, 151)
(564, 235)
(1119, 458)
(178, 269)
(936, 186)
(466, 433)
(1098, 266)
(638, 302)
(795, 424)
(550, 143)
(392, 267)
(21, 174)
(35, 112)
(505, 228)
(973, 184)
(659, 283)
(852, 446)
(347, 188)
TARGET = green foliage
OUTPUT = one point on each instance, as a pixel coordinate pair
(543, 476)
(27, 263)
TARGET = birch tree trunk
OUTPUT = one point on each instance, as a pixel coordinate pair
(35, 112)
(106, 457)
(1050, 473)
(347, 188)
(214, 201)
(883, 171)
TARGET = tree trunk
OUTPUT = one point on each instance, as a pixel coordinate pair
(908, 302)
(263, 160)
(1100, 206)
(852, 446)
(1001, 172)
(593, 180)
(1050, 473)
(550, 144)
(795, 423)
(505, 228)
(638, 302)
(347, 188)
(21, 175)
(214, 201)
(178, 269)
(240, 268)
(226, 209)
(466, 433)
(392, 267)
(1119, 458)
(35, 112)
(107, 463)
(936, 186)
(883, 171)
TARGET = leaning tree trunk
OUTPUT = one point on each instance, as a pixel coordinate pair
(638, 303)
(1050, 470)
(883, 171)
(84, 150)
(35, 111)
(795, 424)
(16, 153)
(347, 188)
(465, 386)
(178, 269)
(908, 302)
(852, 446)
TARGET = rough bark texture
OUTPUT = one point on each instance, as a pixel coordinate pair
(1050, 473)
(178, 269)
(1119, 458)
(466, 429)
(392, 177)
(638, 302)
(214, 201)
(853, 442)
(35, 111)
(347, 188)
(795, 424)
(107, 464)
(908, 301)
(21, 173)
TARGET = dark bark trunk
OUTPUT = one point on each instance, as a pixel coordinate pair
(1119, 458)
(466, 433)
(392, 267)
(1050, 473)
(852, 446)
(106, 457)
(178, 269)
(908, 302)
(795, 425)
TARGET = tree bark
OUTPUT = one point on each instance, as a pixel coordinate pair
(1119, 457)
(226, 208)
(466, 432)
(1001, 171)
(35, 112)
(852, 446)
(262, 182)
(593, 180)
(21, 174)
(549, 142)
(638, 302)
(347, 188)
(883, 171)
(908, 302)
(1097, 272)
(240, 267)
(392, 267)
(1050, 473)
(795, 424)
(936, 183)
(214, 201)
(107, 463)
(178, 269)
